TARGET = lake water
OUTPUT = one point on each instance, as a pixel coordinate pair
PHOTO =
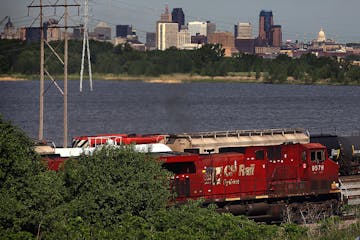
(139, 107)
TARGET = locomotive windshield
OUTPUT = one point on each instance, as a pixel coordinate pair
(317, 156)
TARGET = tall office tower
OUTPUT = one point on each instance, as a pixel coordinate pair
(178, 17)
(166, 35)
(183, 39)
(166, 16)
(276, 36)
(243, 31)
(210, 27)
(166, 31)
(197, 28)
(265, 23)
(150, 41)
(123, 30)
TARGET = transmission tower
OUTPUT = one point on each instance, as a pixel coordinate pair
(86, 46)
(64, 61)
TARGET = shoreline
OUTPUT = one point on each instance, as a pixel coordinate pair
(169, 78)
(177, 78)
(12, 79)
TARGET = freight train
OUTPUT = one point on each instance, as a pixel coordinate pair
(345, 150)
(268, 175)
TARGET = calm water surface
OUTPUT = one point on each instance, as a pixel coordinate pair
(139, 107)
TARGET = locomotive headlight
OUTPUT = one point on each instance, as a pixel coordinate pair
(334, 185)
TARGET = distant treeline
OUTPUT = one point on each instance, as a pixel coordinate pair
(23, 58)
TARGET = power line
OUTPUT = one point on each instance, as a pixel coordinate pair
(86, 47)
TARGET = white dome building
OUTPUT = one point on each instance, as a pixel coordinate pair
(321, 36)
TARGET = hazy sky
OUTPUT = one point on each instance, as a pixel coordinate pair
(301, 19)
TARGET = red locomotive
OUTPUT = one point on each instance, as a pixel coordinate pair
(266, 183)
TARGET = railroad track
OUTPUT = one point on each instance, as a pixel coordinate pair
(350, 189)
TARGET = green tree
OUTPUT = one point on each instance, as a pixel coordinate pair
(113, 182)
(28, 193)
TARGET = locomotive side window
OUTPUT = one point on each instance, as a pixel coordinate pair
(313, 156)
(317, 156)
(259, 155)
(274, 153)
(321, 156)
(303, 156)
(180, 168)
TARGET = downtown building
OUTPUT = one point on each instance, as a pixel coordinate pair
(269, 34)
(166, 35)
(269, 39)
(178, 17)
(102, 32)
(225, 39)
(124, 31)
(243, 31)
(200, 31)
(244, 41)
(166, 31)
(150, 41)
(197, 28)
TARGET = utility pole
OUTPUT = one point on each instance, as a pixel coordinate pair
(41, 97)
(63, 61)
(65, 77)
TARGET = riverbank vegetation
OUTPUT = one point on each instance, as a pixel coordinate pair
(117, 194)
(18, 58)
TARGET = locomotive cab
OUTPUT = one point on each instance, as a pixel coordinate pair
(321, 171)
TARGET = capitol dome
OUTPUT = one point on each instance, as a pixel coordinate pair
(321, 36)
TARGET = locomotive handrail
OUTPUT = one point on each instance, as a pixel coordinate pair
(238, 133)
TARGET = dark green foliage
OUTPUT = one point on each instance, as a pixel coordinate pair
(19, 57)
(18, 161)
(113, 182)
(28, 193)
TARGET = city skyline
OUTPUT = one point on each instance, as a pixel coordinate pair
(300, 20)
